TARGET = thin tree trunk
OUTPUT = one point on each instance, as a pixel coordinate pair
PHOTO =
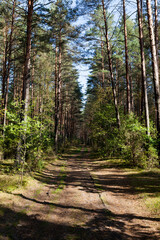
(138, 103)
(117, 82)
(102, 63)
(56, 97)
(15, 86)
(26, 75)
(58, 92)
(126, 60)
(9, 64)
(21, 150)
(32, 87)
(61, 116)
(155, 67)
(4, 68)
(156, 30)
(110, 66)
(143, 67)
(131, 90)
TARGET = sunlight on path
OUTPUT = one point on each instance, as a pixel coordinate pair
(75, 199)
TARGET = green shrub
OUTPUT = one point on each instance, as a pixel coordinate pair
(129, 142)
(36, 137)
(135, 144)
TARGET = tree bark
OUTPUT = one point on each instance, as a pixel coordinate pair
(126, 60)
(155, 66)
(156, 30)
(58, 92)
(4, 73)
(9, 64)
(143, 67)
(56, 98)
(33, 87)
(21, 150)
(110, 66)
(131, 89)
(102, 60)
(26, 75)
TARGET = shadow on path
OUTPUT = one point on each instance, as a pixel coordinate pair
(103, 224)
(19, 226)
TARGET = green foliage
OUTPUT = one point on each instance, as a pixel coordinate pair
(36, 135)
(130, 141)
(135, 144)
(102, 123)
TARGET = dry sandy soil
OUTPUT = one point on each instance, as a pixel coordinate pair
(75, 199)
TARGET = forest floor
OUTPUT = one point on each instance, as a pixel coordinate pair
(78, 197)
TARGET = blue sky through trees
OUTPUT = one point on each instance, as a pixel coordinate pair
(115, 8)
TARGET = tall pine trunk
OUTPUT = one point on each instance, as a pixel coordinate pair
(4, 72)
(56, 99)
(131, 89)
(156, 29)
(59, 83)
(26, 75)
(155, 67)
(9, 64)
(110, 66)
(21, 150)
(102, 60)
(143, 67)
(126, 60)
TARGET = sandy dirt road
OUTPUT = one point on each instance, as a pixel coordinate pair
(74, 199)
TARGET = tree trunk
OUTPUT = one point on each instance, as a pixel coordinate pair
(110, 66)
(21, 150)
(33, 87)
(155, 67)
(9, 64)
(4, 73)
(126, 60)
(143, 67)
(26, 75)
(156, 30)
(131, 90)
(56, 98)
(102, 60)
(58, 93)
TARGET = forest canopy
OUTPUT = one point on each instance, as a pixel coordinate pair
(42, 107)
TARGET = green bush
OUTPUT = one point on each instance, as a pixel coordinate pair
(136, 145)
(36, 137)
(129, 142)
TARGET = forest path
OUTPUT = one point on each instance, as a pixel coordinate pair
(75, 198)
